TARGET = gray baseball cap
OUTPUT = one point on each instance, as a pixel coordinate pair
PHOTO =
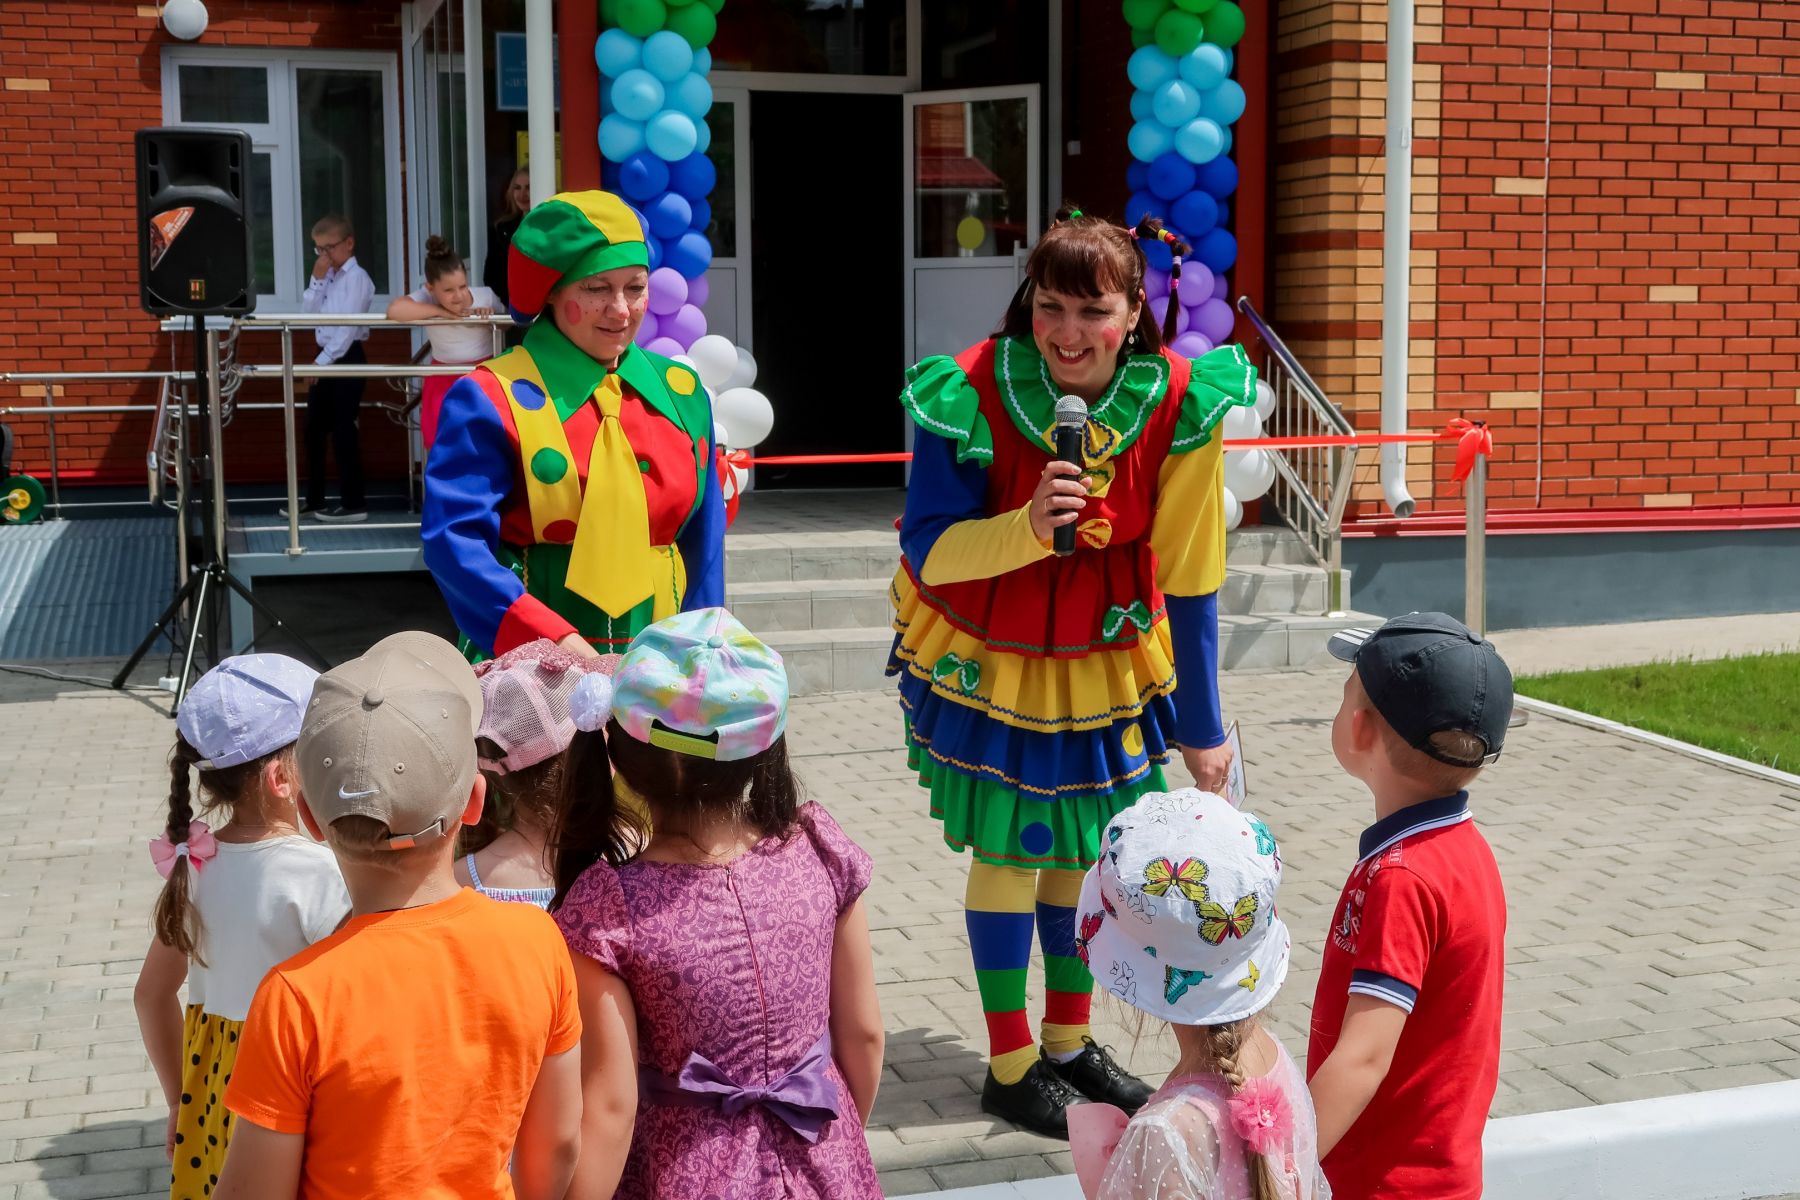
(391, 736)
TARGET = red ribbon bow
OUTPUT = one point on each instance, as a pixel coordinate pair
(728, 483)
(1476, 440)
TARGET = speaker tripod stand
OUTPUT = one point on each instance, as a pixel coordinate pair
(204, 590)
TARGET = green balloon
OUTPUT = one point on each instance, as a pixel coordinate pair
(677, 3)
(1195, 6)
(609, 14)
(1225, 24)
(715, 5)
(1142, 14)
(1141, 38)
(641, 18)
(696, 23)
(1178, 32)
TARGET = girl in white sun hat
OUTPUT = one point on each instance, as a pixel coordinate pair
(1178, 919)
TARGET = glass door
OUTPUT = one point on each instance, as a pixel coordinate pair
(972, 211)
(439, 179)
(727, 304)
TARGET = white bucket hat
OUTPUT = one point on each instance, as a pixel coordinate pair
(1178, 918)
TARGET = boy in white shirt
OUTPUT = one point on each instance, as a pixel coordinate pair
(338, 285)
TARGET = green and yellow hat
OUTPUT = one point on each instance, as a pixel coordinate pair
(570, 236)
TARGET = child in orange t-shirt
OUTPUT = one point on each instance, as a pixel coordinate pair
(438, 1032)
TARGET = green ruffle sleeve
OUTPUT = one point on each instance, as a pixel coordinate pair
(1220, 379)
(943, 401)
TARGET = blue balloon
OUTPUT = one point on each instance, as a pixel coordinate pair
(609, 174)
(703, 136)
(620, 137)
(1143, 106)
(703, 61)
(1219, 177)
(667, 55)
(637, 94)
(1206, 67)
(671, 135)
(694, 96)
(643, 175)
(690, 254)
(1194, 214)
(1148, 139)
(702, 210)
(669, 215)
(1171, 175)
(1225, 103)
(1224, 215)
(1176, 103)
(653, 247)
(1217, 249)
(1157, 254)
(1149, 68)
(694, 176)
(616, 52)
(1199, 141)
(1137, 175)
(1230, 60)
(1141, 205)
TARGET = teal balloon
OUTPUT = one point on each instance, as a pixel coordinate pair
(1206, 68)
(1143, 106)
(667, 55)
(1177, 102)
(1224, 104)
(1148, 139)
(694, 96)
(1224, 24)
(1199, 141)
(1149, 68)
(702, 136)
(616, 52)
(703, 61)
(637, 94)
(671, 135)
(620, 137)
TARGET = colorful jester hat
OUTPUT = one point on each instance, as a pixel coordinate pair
(570, 236)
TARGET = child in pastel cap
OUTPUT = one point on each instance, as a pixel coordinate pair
(247, 706)
(700, 684)
(1178, 920)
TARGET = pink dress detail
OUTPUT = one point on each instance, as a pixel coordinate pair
(1182, 1146)
(734, 963)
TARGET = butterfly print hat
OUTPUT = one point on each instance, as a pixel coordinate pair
(1178, 917)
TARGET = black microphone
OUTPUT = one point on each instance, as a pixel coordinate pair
(1071, 423)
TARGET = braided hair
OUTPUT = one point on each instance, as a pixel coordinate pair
(1224, 1045)
(176, 921)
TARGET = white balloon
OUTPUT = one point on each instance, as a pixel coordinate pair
(1249, 473)
(1242, 424)
(747, 416)
(715, 358)
(687, 362)
(1234, 511)
(720, 436)
(745, 374)
(1265, 399)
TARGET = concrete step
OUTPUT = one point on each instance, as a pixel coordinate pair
(853, 659)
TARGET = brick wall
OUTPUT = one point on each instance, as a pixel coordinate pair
(77, 78)
(1649, 342)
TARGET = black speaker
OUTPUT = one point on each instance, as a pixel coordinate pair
(193, 232)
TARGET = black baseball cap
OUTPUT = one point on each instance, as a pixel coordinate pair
(1428, 673)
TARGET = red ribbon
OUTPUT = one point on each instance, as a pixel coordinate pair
(1474, 439)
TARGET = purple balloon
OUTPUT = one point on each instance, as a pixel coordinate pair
(1156, 282)
(698, 291)
(648, 330)
(668, 347)
(1221, 286)
(1196, 284)
(686, 326)
(1191, 345)
(668, 291)
(1216, 320)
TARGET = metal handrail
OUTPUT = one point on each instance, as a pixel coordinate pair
(1327, 411)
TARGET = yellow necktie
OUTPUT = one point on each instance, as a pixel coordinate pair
(610, 561)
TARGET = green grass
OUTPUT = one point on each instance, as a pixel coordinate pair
(1746, 707)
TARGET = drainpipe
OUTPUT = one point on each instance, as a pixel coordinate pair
(540, 98)
(1396, 254)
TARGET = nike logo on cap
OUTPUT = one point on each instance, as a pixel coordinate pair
(343, 795)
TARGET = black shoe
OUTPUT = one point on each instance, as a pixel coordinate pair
(340, 515)
(1095, 1075)
(1036, 1102)
(307, 509)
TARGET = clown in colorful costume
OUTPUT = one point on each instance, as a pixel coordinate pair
(1039, 692)
(570, 492)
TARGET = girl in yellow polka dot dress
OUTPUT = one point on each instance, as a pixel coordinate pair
(236, 901)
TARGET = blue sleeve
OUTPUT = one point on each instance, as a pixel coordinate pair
(1397, 992)
(468, 475)
(1194, 629)
(941, 493)
(702, 540)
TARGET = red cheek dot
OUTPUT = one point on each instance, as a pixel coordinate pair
(1111, 337)
(1040, 326)
(571, 312)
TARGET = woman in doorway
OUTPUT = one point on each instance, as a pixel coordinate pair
(571, 492)
(514, 204)
(1039, 692)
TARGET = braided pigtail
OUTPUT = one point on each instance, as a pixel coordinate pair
(1150, 229)
(176, 922)
(1225, 1043)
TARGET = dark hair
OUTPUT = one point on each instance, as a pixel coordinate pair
(534, 793)
(176, 922)
(760, 791)
(441, 258)
(1083, 255)
(589, 825)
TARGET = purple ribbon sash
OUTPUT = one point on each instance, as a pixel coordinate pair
(804, 1098)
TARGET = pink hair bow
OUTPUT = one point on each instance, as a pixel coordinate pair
(198, 849)
(1262, 1116)
(1094, 1133)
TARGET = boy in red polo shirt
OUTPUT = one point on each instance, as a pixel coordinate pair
(1405, 1045)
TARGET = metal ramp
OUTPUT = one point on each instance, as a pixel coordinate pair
(83, 589)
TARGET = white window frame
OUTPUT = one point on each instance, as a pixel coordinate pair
(280, 139)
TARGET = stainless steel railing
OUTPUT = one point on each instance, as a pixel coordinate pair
(1312, 486)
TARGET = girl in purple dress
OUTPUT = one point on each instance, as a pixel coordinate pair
(727, 982)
